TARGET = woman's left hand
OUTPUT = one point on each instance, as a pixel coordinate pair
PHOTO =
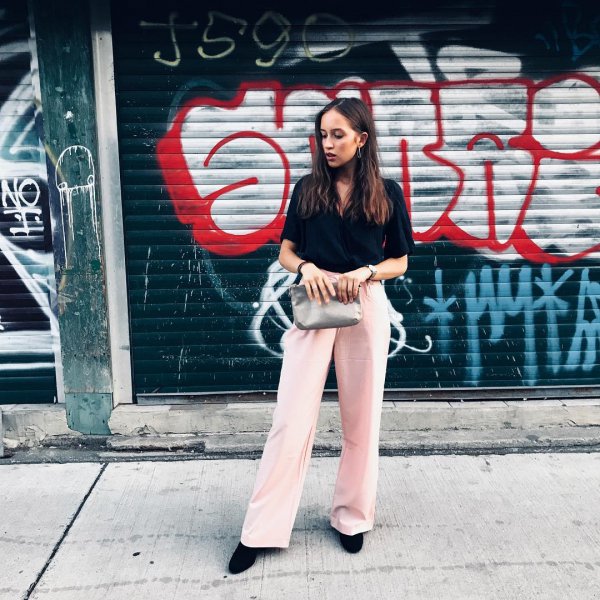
(348, 284)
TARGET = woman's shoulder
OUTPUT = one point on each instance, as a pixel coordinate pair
(302, 180)
(297, 188)
(392, 187)
(394, 192)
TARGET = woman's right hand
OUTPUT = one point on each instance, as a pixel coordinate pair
(317, 284)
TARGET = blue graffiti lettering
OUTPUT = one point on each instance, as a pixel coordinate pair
(552, 305)
(493, 293)
(440, 311)
(585, 331)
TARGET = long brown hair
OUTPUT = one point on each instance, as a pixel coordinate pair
(367, 194)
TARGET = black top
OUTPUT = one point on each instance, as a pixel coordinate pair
(335, 243)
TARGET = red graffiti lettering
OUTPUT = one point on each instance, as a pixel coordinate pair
(479, 161)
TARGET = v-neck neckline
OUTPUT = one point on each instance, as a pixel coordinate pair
(337, 208)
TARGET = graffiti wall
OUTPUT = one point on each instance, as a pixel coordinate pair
(488, 115)
(28, 326)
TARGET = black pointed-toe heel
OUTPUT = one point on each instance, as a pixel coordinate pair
(243, 558)
(351, 543)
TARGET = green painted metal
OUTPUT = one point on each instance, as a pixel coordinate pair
(469, 98)
(89, 413)
(27, 334)
(68, 107)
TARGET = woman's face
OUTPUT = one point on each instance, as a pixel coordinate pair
(339, 140)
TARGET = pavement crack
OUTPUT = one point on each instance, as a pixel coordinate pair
(58, 544)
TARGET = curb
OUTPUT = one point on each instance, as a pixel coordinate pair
(391, 443)
(240, 429)
(256, 417)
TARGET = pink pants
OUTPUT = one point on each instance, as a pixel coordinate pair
(360, 356)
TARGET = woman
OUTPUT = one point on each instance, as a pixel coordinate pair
(346, 224)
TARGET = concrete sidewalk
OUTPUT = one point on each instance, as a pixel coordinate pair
(517, 526)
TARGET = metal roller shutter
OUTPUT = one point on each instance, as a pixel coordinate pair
(28, 326)
(488, 114)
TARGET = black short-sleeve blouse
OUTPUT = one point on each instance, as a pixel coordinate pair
(335, 243)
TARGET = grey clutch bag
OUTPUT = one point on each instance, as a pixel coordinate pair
(310, 315)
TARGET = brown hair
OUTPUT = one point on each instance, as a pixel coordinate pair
(368, 197)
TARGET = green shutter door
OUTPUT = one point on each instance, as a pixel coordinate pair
(488, 116)
(28, 326)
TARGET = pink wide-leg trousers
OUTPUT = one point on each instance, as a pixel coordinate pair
(360, 356)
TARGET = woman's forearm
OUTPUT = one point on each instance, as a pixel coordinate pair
(390, 268)
(387, 269)
(289, 260)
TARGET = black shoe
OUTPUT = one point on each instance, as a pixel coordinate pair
(351, 543)
(243, 558)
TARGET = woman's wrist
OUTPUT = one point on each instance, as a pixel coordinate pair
(370, 274)
(300, 265)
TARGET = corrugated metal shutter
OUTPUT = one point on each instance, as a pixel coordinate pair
(28, 327)
(489, 116)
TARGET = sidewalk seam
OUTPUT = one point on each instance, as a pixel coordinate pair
(58, 544)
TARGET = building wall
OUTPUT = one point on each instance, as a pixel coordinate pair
(28, 326)
(488, 114)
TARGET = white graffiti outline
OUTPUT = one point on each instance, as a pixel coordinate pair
(21, 207)
(66, 193)
(277, 284)
(35, 269)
